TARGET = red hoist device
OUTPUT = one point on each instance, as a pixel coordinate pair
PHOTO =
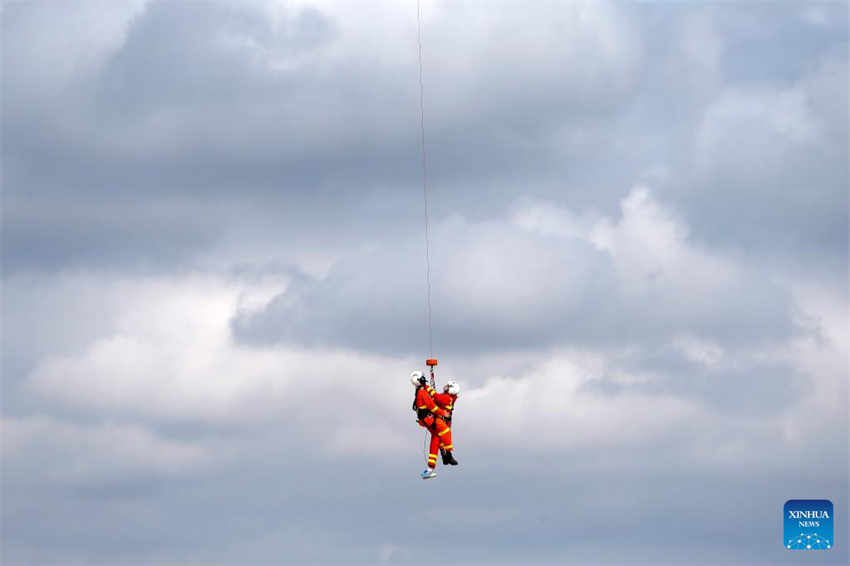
(431, 363)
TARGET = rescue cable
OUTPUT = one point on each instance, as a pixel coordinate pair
(425, 189)
(431, 362)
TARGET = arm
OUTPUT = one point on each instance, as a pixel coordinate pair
(425, 401)
(444, 400)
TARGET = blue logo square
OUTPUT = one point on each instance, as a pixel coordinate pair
(807, 524)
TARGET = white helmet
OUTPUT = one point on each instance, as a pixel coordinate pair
(417, 378)
(451, 387)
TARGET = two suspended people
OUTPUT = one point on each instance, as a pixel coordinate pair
(434, 413)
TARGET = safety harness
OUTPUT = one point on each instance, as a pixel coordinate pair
(448, 418)
(421, 414)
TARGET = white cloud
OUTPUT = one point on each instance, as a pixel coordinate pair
(43, 447)
(649, 245)
(652, 256)
(498, 272)
(822, 354)
(548, 409)
(703, 48)
(50, 45)
(815, 14)
(170, 355)
(170, 358)
(701, 351)
(755, 127)
(614, 343)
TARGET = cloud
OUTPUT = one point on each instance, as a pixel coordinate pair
(762, 143)
(169, 356)
(213, 283)
(168, 360)
(296, 95)
(167, 394)
(544, 276)
(45, 449)
(140, 138)
(153, 167)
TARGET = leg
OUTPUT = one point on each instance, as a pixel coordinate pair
(430, 472)
(432, 452)
(444, 433)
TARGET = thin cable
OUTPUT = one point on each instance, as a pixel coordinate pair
(425, 448)
(424, 179)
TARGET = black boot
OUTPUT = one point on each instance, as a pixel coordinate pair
(445, 456)
(449, 459)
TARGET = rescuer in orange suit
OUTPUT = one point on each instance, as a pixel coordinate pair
(432, 418)
(446, 401)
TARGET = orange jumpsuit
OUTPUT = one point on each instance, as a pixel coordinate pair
(447, 403)
(432, 418)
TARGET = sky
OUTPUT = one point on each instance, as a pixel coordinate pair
(214, 282)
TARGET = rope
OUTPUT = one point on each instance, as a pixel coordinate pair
(425, 199)
(425, 447)
(424, 180)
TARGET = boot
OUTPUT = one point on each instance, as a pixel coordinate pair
(446, 457)
(449, 459)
